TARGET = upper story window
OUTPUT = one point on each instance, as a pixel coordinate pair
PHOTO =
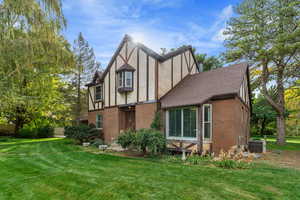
(125, 78)
(98, 92)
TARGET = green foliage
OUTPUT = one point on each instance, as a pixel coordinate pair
(82, 133)
(266, 34)
(144, 140)
(232, 164)
(196, 159)
(208, 62)
(157, 123)
(127, 139)
(97, 141)
(33, 59)
(85, 68)
(32, 131)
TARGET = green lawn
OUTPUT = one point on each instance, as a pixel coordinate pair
(57, 169)
(292, 143)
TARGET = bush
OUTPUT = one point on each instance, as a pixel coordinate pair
(97, 141)
(196, 159)
(127, 139)
(157, 121)
(29, 131)
(232, 164)
(144, 140)
(82, 133)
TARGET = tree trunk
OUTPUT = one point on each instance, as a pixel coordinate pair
(280, 121)
(280, 130)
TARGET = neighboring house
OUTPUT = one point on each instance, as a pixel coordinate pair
(207, 111)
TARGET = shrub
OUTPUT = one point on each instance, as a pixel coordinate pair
(151, 140)
(97, 141)
(157, 121)
(232, 164)
(82, 133)
(144, 140)
(45, 131)
(196, 159)
(29, 131)
(127, 139)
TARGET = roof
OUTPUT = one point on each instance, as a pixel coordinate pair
(148, 51)
(97, 75)
(198, 88)
(125, 67)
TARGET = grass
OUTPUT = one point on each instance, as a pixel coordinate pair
(292, 143)
(57, 169)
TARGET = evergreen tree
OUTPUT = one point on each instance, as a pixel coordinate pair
(86, 66)
(266, 33)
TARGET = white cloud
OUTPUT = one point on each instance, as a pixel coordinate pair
(106, 22)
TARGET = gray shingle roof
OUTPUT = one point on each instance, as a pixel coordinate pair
(197, 88)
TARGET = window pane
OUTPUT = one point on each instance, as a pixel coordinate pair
(98, 92)
(207, 131)
(120, 79)
(175, 122)
(189, 122)
(99, 121)
(128, 76)
(207, 113)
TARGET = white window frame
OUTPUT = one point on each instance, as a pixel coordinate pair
(182, 138)
(101, 94)
(210, 121)
(97, 121)
(123, 76)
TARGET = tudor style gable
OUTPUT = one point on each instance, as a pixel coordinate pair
(137, 74)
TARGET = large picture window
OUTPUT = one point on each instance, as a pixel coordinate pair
(98, 93)
(207, 121)
(182, 123)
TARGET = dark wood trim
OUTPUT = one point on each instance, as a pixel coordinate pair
(172, 71)
(108, 88)
(186, 61)
(200, 134)
(180, 66)
(116, 86)
(130, 54)
(101, 109)
(190, 62)
(156, 79)
(147, 78)
(137, 74)
(192, 66)
(103, 102)
(125, 97)
(122, 59)
(91, 98)
(126, 51)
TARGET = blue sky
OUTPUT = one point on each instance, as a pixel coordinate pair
(155, 23)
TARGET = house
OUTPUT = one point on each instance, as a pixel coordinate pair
(206, 111)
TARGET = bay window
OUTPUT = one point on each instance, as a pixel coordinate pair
(207, 121)
(182, 123)
(125, 82)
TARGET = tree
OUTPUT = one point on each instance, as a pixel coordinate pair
(86, 66)
(266, 33)
(263, 114)
(208, 62)
(33, 56)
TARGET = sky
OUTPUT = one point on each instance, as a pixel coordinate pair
(155, 23)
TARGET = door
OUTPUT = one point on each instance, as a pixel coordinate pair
(130, 120)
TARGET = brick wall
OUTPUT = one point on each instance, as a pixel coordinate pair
(144, 115)
(230, 124)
